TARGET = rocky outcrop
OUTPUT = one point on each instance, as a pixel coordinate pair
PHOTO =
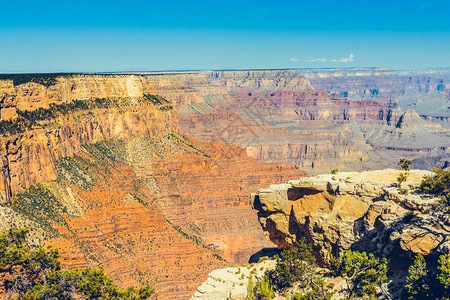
(347, 210)
(231, 283)
(163, 210)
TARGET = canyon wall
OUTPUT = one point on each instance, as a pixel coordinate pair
(105, 167)
(42, 90)
(166, 210)
(322, 131)
(277, 115)
(119, 187)
(30, 157)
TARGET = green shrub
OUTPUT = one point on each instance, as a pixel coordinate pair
(417, 284)
(261, 290)
(404, 164)
(402, 178)
(334, 171)
(318, 291)
(295, 265)
(363, 273)
(438, 184)
(444, 271)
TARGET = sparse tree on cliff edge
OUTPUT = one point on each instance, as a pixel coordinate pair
(417, 283)
(35, 273)
(424, 283)
(404, 165)
(363, 273)
(295, 265)
(439, 185)
(261, 290)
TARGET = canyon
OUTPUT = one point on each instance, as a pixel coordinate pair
(119, 187)
(149, 175)
(281, 116)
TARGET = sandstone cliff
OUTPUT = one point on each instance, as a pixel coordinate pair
(336, 212)
(41, 90)
(162, 210)
(364, 211)
(29, 158)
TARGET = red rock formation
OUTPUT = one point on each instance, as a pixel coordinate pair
(66, 88)
(31, 156)
(145, 203)
(119, 231)
(167, 217)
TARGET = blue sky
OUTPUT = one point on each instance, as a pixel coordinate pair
(95, 36)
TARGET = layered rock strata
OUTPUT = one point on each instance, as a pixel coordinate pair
(425, 91)
(35, 91)
(116, 186)
(276, 114)
(29, 158)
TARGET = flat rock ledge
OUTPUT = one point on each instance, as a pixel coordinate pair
(231, 283)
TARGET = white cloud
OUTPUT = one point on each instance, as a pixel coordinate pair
(294, 59)
(350, 58)
(316, 60)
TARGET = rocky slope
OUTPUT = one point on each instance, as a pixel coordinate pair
(97, 164)
(30, 157)
(275, 114)
(232, 282)
(159, 218)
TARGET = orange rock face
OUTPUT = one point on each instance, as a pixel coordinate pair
(131, 241)
(121, 189)
(31, 156)
(31, 95)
